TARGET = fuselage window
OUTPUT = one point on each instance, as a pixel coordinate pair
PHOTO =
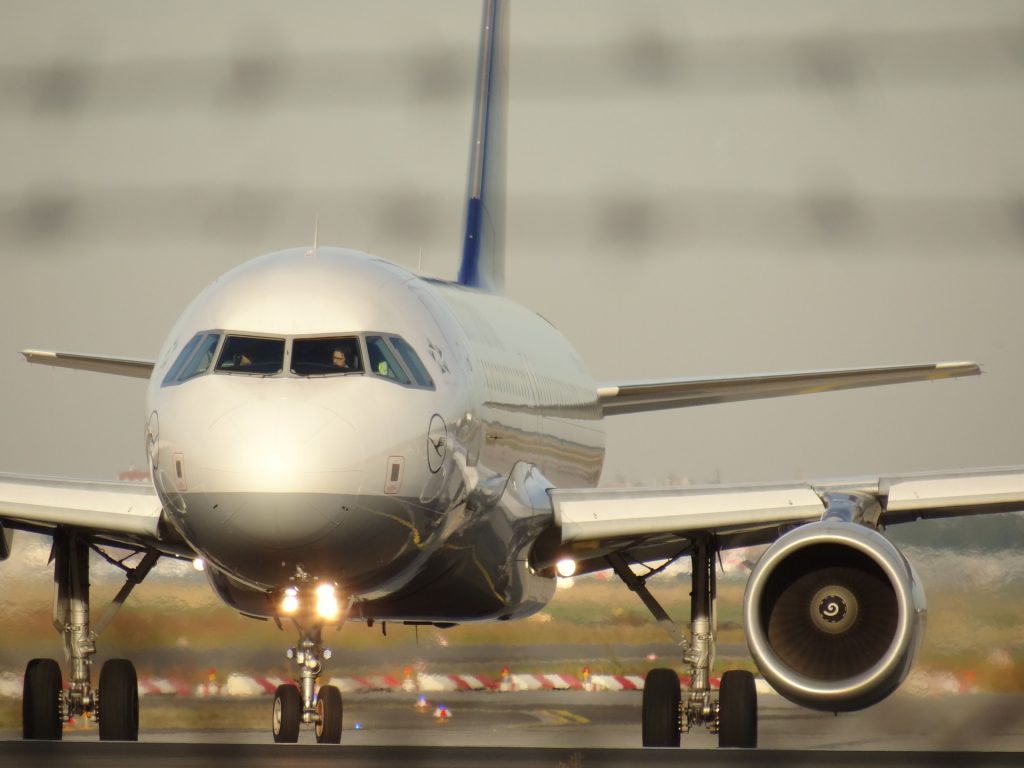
(250, 355)
(384, 362)
(323, 357)
(412, 361)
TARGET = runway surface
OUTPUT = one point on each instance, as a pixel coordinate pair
(570, 729)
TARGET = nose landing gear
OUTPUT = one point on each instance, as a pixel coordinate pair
(305, 704)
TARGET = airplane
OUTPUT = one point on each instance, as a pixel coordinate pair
(338, 439)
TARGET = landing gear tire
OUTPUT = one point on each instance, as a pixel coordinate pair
(661, 709)
(329, 709)
(119, 701)
(41, 701)
(287, 714)
(737, 710)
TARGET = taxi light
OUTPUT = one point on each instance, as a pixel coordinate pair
(327, 602)
(290, 601)
(566, 568)
(199, 565)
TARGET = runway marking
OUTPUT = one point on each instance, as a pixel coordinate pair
(561, 717)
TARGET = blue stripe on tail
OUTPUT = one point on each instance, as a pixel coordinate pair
(483, 247)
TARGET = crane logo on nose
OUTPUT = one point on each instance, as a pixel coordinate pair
(437, 443)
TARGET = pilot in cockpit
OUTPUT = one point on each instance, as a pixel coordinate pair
(339, 360)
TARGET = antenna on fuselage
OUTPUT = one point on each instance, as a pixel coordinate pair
(316, 236)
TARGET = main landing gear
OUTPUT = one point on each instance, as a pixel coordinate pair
(305, 704)
(46, 706)
(668, 711)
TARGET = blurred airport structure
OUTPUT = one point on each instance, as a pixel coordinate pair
(138, 120)
(750, 187)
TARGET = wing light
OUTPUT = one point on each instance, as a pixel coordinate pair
(566, 568)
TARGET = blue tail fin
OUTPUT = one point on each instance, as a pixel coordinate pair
(483, 249)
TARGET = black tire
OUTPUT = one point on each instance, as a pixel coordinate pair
(329, 707)
(118, 708)
(41, 701)
(661, 709)
(737, 710)
(287, 714)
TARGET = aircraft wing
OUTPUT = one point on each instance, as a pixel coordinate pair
(637, 396)
(654, 523)
(120, 366)
(126, 513)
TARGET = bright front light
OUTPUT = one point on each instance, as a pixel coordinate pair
(198, 564)
(327, 602)
(566, 568)
(290, 601)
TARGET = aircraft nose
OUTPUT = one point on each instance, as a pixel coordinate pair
(284, 470)
(289, 445)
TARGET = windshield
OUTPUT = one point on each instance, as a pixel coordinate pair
(326, 356)
(251, 355)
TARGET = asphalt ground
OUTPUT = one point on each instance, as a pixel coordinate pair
(571, 729)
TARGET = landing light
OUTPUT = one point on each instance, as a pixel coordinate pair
(199, 564)
(327, 602)
(566, 568)
(290, 601)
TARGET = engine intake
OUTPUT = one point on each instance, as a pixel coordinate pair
(834, 616)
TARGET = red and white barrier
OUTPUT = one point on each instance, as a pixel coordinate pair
(251, 686)
(162, 686)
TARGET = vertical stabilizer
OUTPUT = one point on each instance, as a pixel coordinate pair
(483, 247)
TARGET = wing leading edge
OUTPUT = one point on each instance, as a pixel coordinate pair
(651, 523)
(639, 396)
(118, 512)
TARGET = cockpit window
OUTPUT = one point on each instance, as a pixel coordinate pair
(384, 362)
(327, 356)
(183, 356)
(201, 361)
(412, 361)
(195, 358)
(251, 355)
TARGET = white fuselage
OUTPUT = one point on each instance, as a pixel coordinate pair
(389, 487)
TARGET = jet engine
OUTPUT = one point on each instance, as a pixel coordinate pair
(834, 616)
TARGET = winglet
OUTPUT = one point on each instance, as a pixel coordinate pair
(483, 248)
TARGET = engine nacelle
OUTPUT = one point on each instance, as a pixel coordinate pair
(834, 616)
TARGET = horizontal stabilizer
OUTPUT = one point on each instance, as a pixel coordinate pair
(118, 366)
(638, 396)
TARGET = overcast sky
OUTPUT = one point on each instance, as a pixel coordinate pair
(702, 188)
